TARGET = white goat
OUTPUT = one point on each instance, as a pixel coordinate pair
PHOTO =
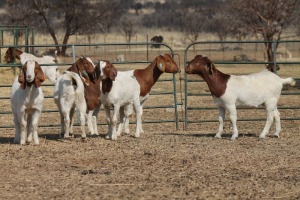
(118, 91)
(27, 102)
(146, 78)
(51, 72)
(253, 90)
(67, 97)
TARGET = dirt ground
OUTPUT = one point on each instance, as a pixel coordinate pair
(164, 163)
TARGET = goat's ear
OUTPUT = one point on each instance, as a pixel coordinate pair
(22, 77)
(160, 63)
(39, 75)
(97, 70)
(209, 64)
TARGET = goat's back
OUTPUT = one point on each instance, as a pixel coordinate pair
(253, 89)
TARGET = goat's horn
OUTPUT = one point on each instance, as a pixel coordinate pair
(160, 53)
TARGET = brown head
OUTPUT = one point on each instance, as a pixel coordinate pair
(11, 54)
(107, 70)
(108, 74)
(85, 68)
(199, 65)
(31, 73)
(216, 80)
(270, 67)
(165, 63)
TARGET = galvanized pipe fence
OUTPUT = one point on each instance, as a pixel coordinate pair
(201, 48)
(205, 48)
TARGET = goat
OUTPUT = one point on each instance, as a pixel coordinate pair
(146, 78)
(27, 101)
(51, 72)
(68, 95)
(118, 91)
(252, 90)
(156, 39)
(90, 75)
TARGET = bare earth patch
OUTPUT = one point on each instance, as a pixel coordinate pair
(162, 164)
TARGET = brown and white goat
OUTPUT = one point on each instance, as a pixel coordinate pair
(252, 90)
(51, 72)
(27, 101)
(90, 75)
(146, 78)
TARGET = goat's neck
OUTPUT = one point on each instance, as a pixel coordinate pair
(217, 82)
(106, 85)
(18, 53)
(147, 77)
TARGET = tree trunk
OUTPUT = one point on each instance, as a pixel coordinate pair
(64, 48)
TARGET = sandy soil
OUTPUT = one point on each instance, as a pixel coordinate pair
(164, 163)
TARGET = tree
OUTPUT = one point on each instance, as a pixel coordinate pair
(264, 19)
(67, 16)
(137, 6)
(127, 26)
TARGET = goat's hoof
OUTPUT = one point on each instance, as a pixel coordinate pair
(118, 134)
(137, 135)
(127, 132)
(218, 136)
(261, 137)
(276, 135)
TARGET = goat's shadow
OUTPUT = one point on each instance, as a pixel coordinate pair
(49, 136)
(208, 135)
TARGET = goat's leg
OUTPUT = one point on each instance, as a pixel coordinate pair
(270, 119)
(67, 125)
(34, 123)
(89, 122)
(222, 112)
(94, 119)
(114, 122)
(233, 119)
(138, 118)
(277, 123)
(29, 128)
(23, 121)
(71, 122)
(141, 114)
(62, 125)
(128, 112)
(82, 124)
(17, 129)
(122, 120)
(108, 120)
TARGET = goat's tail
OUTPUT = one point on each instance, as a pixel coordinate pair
(79, 88)
(288, 81)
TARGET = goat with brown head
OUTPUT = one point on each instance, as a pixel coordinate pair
(31, 73)
(85, 68)
(11, 54)
(108, 74)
